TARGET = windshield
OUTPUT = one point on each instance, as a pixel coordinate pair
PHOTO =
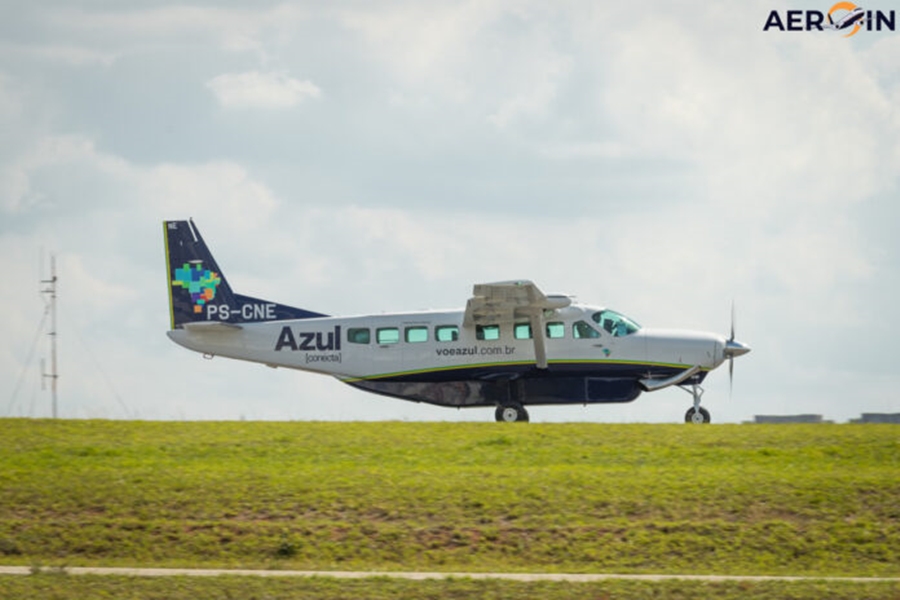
(614, 323)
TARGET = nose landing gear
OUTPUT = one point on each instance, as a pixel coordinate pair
(696, 414)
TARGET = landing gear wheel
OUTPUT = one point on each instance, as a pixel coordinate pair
(511, 413)
(697, 416)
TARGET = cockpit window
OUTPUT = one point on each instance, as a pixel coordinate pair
(581, 329)
(615, 324)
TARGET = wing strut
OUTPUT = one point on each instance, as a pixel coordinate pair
(540, 345)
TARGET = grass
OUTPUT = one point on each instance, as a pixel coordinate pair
(62, 587)
(726, 499)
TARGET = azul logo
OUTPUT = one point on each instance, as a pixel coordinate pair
(309, 341)
(199, 282)
(843, 16)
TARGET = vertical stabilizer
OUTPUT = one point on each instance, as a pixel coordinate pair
(199, 292)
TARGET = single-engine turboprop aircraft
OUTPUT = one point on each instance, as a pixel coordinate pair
(512, 345)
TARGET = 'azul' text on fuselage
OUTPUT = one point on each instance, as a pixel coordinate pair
(309, 341)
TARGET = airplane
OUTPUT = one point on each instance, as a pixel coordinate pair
(512, 346)
(856, 16)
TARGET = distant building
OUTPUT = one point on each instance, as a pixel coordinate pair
(789, 419)
(878, 418)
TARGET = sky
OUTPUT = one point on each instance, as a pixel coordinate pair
(666, 160)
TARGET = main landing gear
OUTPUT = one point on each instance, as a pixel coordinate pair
(510, 413)
(696, 414)
(509, 407)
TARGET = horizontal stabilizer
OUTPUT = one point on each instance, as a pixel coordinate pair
(211, 327)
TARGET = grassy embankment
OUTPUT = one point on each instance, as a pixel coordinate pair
(795, 500)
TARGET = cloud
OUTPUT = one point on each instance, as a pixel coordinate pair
(170, 22)
(70, 55)
(60, 175)
(538, 85)
(497, 60)
(660, 161)
(101, 215)
(261, 90)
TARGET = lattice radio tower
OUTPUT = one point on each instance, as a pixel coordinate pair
(49, 289)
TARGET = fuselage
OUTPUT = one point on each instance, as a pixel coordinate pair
(430, 356)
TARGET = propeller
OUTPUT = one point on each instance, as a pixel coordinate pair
(731, 359)
(733, 348)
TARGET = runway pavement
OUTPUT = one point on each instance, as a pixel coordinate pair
(569, 577)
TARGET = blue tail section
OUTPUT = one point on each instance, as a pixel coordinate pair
(198, 290)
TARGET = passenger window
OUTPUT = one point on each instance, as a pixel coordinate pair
(581, 329)
(446, 333)
(487, 332)
(359, 335)
(522, 331)
(556, 330)
(415, 335)
(388, 335)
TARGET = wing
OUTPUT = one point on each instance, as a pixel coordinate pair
(510, 301)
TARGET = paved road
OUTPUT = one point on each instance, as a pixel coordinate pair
(571, 577)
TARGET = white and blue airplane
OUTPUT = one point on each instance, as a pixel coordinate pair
(512, 346)
(854, 16)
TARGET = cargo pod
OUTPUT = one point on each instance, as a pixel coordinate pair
(587, 390)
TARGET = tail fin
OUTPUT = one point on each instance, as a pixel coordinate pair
(199, 292)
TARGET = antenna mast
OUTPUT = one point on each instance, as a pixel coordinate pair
(50, 290)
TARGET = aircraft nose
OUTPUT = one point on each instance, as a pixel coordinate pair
(734, 348)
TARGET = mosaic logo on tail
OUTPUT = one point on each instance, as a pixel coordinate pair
(199, 282)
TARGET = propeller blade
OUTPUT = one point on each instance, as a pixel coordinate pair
(732, 321)
(730, 376)
(731, 355)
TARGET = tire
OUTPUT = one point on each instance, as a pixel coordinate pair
(511, 413)
(700, 416)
